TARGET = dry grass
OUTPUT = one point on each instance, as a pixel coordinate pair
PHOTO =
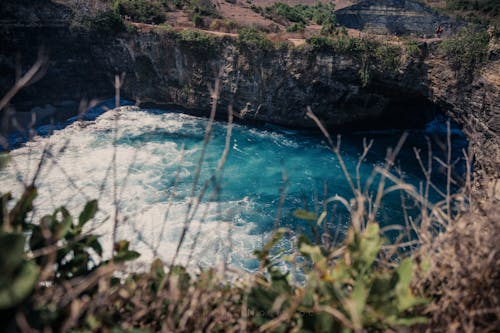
(463, 276)
(462, 259)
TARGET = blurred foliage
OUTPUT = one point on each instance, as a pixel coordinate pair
(36, 256)
(54, 276)
(348, 293)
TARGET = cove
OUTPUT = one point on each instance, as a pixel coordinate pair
(156, 156)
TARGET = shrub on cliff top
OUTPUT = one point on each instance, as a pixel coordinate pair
(320, 43)
(142, 10)
(253, 40)
(466, 51)
(201, 43)
(107, 24)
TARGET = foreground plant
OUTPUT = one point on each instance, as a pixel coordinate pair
(344, 289)
(54, 277)
(37, 258)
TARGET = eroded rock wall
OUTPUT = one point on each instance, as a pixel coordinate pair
(272, 86)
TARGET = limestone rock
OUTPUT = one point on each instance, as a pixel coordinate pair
(397, 17)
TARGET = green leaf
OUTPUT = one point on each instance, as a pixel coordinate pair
(88, 212)
(126, 256)
(324, 322)
(370, 245)
(122, 253)
(405, 274)
(276, 237)
(411, 321)
(158, 268)
(11, 253)
(304, 215)
(20, 287)
(405, 297)
(93, 243)
(358, 302)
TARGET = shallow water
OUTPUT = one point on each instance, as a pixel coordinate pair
(157, 154)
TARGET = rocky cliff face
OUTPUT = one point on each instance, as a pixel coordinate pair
(272, 86)
(475, 105)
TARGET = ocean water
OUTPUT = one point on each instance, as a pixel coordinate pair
(231, 211)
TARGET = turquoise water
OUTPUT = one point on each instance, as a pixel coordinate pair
(157, 154)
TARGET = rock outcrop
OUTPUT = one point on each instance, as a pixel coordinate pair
(395, 17)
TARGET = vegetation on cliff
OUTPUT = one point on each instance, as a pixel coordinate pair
(296, 17)
(466, 50)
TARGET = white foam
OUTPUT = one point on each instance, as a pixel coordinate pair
(80, 168)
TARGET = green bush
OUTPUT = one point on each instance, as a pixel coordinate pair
(296, 27)
(145, 11)
(350, 293)
(341, 45)
(412, 48)
(252, 39)
(320, 43)
(386, 57)
(488, 7)
(47, 254)
(199, 42)
(301, 14)
(203, 7)
(223, 25)
(198, 20)
(257, 9)
(466, 51)
(107, 23)
(282, 12)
